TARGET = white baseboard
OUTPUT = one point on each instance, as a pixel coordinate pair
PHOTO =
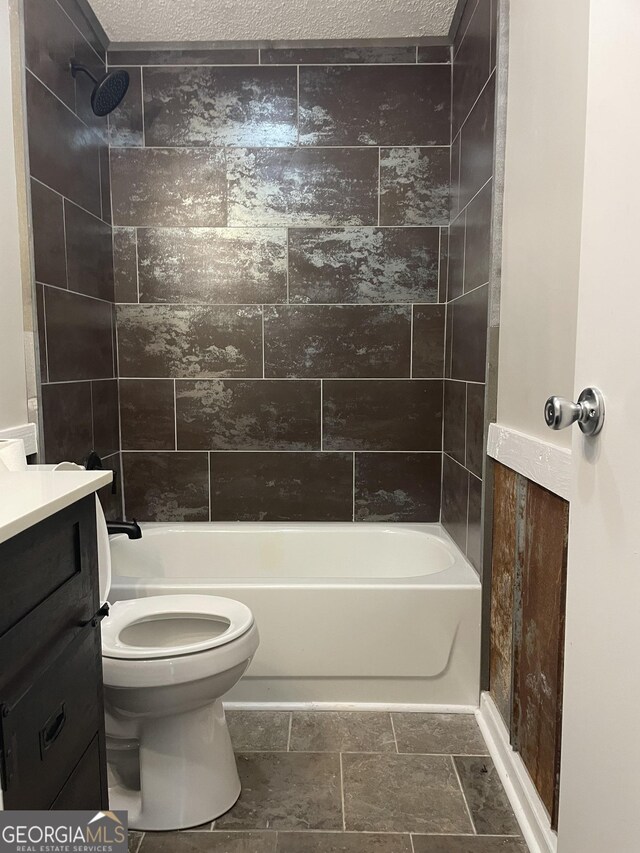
(525, 800)
(541, 461)
(397, 707)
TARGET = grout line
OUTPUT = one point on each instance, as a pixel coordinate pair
(353, 489)
(298, 306)
(95, 215)
(413, 849)
(298, 102)
(466, 425)
(209, 486)
(93, 130)
(135, 237)
(111, 64)
(411, 344)
(440, 229)
(379, 183)
(64, 237)
(140, 840)
(344, 817)
(278, 378)
(464, 796)
(263, 343)
(175, 415)
(45, 335)
(84, 38)
(393, 729)
(322, 414)
(287, 253)
(222, 146)
(144, 135)
(93, 431)
(343, 452)
(289, 734)
(77, 293)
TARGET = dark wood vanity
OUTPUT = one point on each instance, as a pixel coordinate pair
(52, 741)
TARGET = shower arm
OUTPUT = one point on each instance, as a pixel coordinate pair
(76, 66)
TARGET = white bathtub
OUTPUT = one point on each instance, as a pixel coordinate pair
(347, 613)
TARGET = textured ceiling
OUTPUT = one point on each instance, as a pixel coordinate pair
(272, 20)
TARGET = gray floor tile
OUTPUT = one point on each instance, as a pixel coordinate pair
(403, 793)
(487, 801)
(452, 734)
(349, 731)
(209, 842)
(467, 844)
(134, 841)
(286, 791)
(264, 731)
(342, 842)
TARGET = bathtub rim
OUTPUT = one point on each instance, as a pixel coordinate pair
(460, 575)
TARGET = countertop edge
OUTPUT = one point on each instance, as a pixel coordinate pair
(37, 495)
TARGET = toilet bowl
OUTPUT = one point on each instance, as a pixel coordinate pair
(167, 661)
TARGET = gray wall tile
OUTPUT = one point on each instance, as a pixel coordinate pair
(212, 265)
(248, 415)
(282, 486)
(414, 186)
(173, 341)
(220, 106)
(363, 264)
(378, 414)
(320, 186)
(398, 487)
(337, 340)
(166, 486)
(372, 105)
(161, 186)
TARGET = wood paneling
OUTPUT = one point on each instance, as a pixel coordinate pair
(528, 584)
(540, 642)
(502, 581)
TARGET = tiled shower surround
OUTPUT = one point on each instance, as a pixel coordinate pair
(71, 231)
(283, 274)
(280, 237)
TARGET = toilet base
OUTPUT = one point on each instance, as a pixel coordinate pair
(188, 772)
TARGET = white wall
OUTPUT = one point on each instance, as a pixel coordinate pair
(13, 391)
(548, 49)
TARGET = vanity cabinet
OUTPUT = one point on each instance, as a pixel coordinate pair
(52, 742)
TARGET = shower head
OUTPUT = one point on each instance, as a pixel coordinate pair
(108, 91)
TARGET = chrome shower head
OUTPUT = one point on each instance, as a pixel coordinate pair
(108, 91)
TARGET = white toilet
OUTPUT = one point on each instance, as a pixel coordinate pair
(167, 662)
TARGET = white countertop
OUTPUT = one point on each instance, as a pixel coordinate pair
(27, 497)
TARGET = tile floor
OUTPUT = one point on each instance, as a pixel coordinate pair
(324, 782)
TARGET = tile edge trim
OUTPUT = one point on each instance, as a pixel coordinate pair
(525, 801)
(546, 464)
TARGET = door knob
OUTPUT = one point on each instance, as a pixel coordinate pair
(588, 412)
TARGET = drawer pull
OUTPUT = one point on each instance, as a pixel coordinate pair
(52, 729)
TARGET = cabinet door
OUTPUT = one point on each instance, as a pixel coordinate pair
(49, 589)
(47, 730)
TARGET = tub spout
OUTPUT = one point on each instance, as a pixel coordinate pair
(131, 528)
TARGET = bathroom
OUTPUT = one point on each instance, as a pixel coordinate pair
(302, 546)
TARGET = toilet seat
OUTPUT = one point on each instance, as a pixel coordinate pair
(170, 626)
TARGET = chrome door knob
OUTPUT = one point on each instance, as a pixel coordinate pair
(588, 412)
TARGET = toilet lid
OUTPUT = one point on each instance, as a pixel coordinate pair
(164, 626)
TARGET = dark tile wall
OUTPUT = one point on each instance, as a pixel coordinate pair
(468, 274)
(280, 268)
(72, 240)
(530, 529)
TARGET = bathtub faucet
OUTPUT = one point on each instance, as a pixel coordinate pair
(131, 528)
